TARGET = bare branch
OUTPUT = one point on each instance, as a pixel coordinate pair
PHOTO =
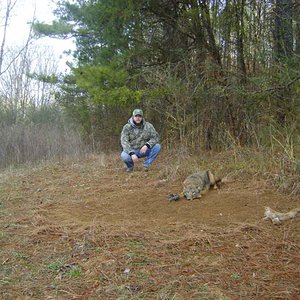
(9, 8)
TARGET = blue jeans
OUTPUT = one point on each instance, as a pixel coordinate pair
(150, 155)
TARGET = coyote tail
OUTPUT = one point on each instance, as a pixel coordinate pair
(277, 217)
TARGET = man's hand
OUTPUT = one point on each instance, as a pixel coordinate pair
(144, 149)
(134, 158)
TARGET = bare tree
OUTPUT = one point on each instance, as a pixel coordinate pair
(5, 17)
(19, 90)
(4, 25)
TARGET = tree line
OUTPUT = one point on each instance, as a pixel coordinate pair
(208, 73)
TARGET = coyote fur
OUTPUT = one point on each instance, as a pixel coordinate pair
(197, 184)
(277, 217)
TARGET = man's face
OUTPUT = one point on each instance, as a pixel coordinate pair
(137, 119)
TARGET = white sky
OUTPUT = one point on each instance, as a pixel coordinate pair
(23, 13)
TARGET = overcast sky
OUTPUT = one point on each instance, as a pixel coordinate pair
(23, 13)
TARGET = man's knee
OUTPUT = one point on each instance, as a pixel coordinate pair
(157, 148)
(125, 156)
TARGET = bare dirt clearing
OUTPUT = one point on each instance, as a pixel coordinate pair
(92, 231)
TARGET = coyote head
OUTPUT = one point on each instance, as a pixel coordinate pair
(192, 193)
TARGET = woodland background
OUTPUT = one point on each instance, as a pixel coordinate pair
(210, 75)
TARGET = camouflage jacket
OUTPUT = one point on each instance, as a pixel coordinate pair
(134, 137)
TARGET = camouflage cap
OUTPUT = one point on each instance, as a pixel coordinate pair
(137, 111)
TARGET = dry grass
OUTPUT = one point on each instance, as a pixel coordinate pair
(23, 144)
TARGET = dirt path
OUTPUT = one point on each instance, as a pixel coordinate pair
(92, 231)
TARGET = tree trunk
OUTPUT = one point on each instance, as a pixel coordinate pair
(283, 29)
(297, 28)
(211, 42)
(239, 14)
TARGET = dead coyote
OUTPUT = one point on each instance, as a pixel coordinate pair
(196, 185)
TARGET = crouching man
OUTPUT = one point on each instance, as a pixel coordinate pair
(139, 140)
